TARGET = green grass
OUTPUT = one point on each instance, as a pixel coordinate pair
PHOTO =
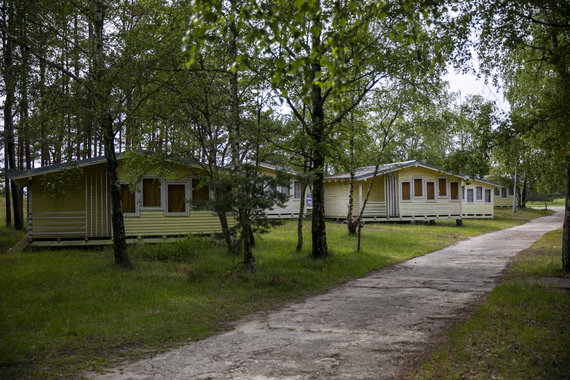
(559, 202)
(520, 332)
(67, 311)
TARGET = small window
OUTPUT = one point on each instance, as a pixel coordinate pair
(128, 200)
(284, 189)
(497, 191)
(463, 192)
(454, 190)
(418, 188)
(176, 198)
(151, 192)
(297, 190)
(510, 191)
(487, 195)
(200, 192)
(406, 191)
(430, 190)
(479, 193)
(503, 192)
(470, 196)
(442, 187)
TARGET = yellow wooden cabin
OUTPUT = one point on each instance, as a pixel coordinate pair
(409, 191)
(504, 196)
(70, 204)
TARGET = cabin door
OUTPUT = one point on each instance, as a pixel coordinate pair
(391, 195)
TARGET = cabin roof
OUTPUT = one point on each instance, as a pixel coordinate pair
(101, 159)
(366, 172)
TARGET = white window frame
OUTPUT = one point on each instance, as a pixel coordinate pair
(434, 190)
(414, 188)
(482, 194)
(187, 197)
(485, 197)
(161, 186)
(497, 192)
(411, 191)
(446, 188)
(467, 189)
(458, 191)
(293, 184)
(138, 200)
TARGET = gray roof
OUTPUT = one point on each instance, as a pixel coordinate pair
(57, 167)
(366, 172)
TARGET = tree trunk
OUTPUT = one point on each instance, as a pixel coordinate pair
(566, 229)
(105, 120)
(318, 227)
(300, 218)
(350, 223)
(9, 148)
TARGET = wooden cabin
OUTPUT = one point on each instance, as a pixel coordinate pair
(408, 191)
(292, 207)
(503, 196)
(477, 200)
(71, 204)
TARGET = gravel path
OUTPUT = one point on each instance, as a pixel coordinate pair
(368, 328)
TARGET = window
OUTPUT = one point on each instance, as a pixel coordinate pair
(442, 187)
(470, 196)
(200, 192)
(487, 195)
(430, 190)
(510, 191)
(297, 190)
(503, 192)
(284, 189)
(418, 188)
(454, 190)
(176, 199)
(463, 191)
(497, 191)
(406, 191)
(151, 193)
(128, 199)
(479, 193)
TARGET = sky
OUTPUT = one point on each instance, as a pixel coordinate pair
(470, 84)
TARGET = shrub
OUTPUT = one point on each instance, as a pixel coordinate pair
(183, 250)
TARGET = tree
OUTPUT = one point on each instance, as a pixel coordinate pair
(527, 45)
(324, 57)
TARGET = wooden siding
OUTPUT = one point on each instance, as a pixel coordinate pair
(336, 199)
(503, 202)
(421, 206)
(477, 209)
(155, 223)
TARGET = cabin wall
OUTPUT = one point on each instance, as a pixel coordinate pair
(421, 206)
(336, 199)
(478, 209)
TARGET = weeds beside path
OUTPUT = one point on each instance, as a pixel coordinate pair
(521, 331)
(67, 311)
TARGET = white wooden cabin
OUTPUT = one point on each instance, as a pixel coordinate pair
(408, 191)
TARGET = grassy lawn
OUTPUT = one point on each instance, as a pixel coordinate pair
(520, 333)
(559, 202)
(67, 311)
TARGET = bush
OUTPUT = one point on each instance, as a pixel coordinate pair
(183, 250)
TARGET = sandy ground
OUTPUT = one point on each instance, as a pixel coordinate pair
(369, 328)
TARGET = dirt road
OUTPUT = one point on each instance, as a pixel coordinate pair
(368, 328)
